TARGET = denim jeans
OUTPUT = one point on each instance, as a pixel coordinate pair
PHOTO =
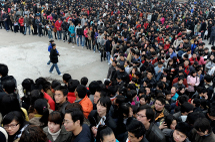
(6, 25)
(56, 67)
(108, 56)
(49, 62)
(59, 34)
(83, 41)
(79, 37)
(50, 34)
(27, 27)
(64, 35)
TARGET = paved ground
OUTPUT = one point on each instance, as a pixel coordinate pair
(27, 57)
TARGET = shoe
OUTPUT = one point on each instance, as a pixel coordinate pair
(60, 74)
(94, 51)
(51, 72)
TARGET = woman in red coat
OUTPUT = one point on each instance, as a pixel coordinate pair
(21, 23)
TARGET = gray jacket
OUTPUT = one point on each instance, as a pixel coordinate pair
(169, 134)
(26, 21)
(62, 137)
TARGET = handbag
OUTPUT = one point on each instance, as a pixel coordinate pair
(206, 33)
(72, 34)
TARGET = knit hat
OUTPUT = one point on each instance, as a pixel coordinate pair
(183, 127)
(3, 135)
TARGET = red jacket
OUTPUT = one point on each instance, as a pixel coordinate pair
(159, 39)
(50, 101)
(87, 106)
(138, 26)
(176, 80)
(71, 97)
(146, 25)
(187, 69)
(58, 25)
(166, 47)
(21, 21)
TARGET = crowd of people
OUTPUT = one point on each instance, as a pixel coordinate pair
(159, 86)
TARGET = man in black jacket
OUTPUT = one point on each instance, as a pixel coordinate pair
(65, 27)
(145, 114)
(54, 59)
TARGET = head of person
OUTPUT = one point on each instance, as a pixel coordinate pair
(145, 114)
(10, 103)
(33, 134)
(192, 117)
(54, 85)
(3, 70)
(105, 134)
(9, 85)
(202, 126)
(72, 85)
(186, 108)
(103, 106)
(136, 131)
(41, 107)
(66, 78)
(159, 103)
(211, 113)
(55, 120)
(84, 81)
(181, 132)
(143, 100)
(61, 94)
(13, 122)
(171, 122)
(73, 119)
(80, 91)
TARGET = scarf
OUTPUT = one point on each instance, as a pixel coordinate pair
(54, 135)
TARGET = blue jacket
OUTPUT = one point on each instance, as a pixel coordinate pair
(50, 47)
(72, 30)
(173, 55)
(193, 47)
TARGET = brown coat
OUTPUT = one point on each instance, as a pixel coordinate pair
(54, 29)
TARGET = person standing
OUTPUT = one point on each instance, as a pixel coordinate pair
(71, 32)
(79, 33)
(54, 59)
(5, 19)
(21, 23)
(64, 27)
(38, 23)
(108, 48)
(26, 24)
(59, 29)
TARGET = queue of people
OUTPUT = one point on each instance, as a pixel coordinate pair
(159, 86)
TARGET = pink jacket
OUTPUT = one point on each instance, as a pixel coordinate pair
(192, 80)
(50, 17)
(202, 61)
(85, 33)
(162, 20)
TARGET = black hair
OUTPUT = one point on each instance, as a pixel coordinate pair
(9, 85)
(41, 106)
(208, 78)
(211, 111)
(182, 99)
(63, 89)
(66, 77)
(130, 95)
(106, 102)
(82, 91)
(55, 84)
(76, 114)
(56, 117)
(202, 124)
(93, 87)
(161, 99)
(168, 120)
(10, 103)
(149, 112)
(84, 81)
(192, 117)
(102, 132)
(72, 85)
(33, 134)
(186, 107)
(120, 99)
(3, 70)
(18, 117)
(27, 85)
(137, 128)
(124, 109)
(197, 102)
